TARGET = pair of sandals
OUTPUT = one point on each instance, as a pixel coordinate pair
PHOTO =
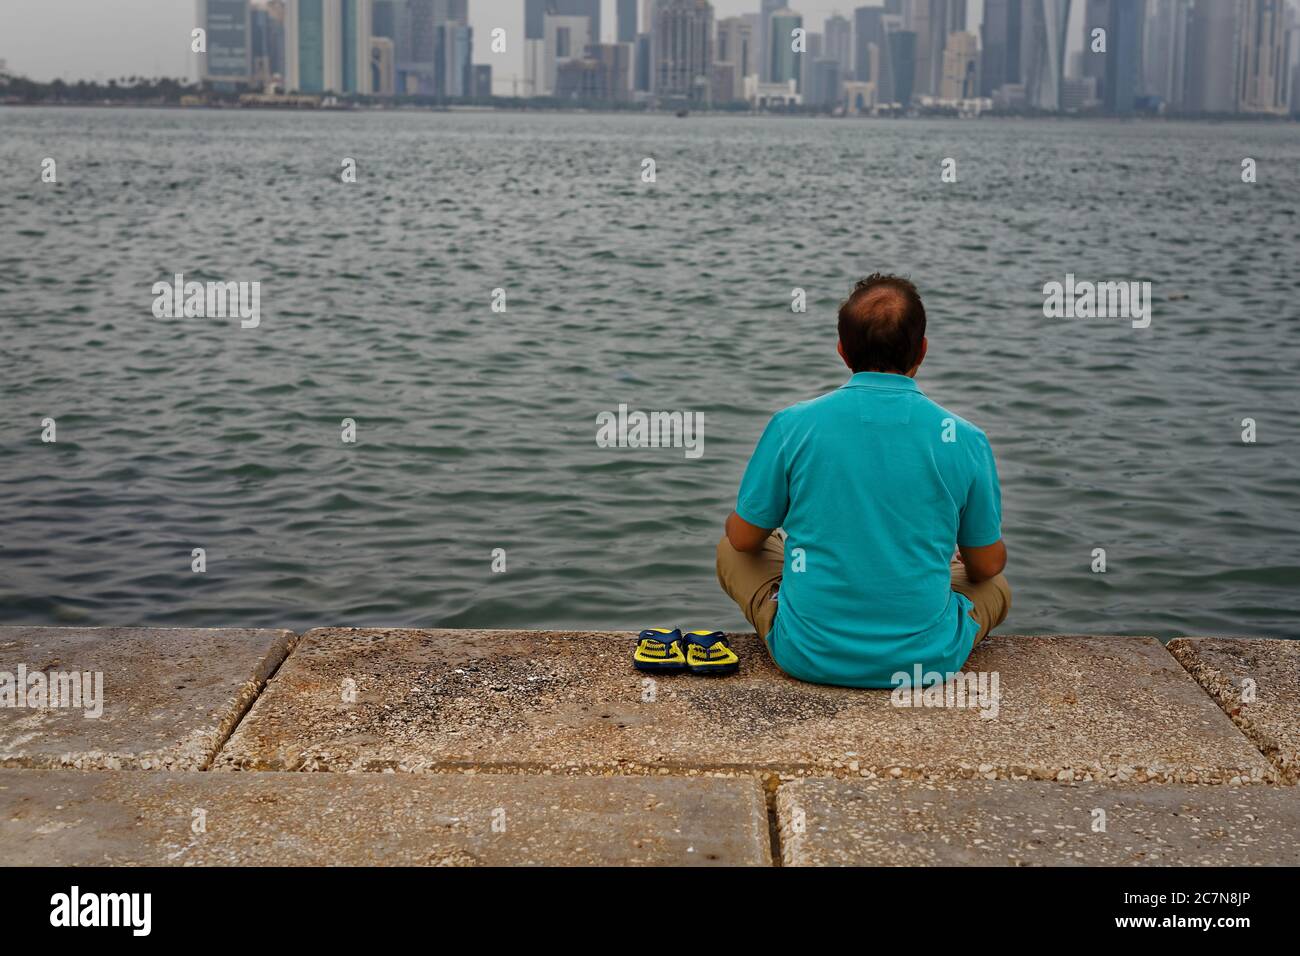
(700, 652)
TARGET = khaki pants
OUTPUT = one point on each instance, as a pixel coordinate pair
(752, 580)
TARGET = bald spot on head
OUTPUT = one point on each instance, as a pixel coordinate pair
(882, 324)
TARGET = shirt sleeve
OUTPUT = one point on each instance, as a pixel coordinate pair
(764, 494)
(981, 515)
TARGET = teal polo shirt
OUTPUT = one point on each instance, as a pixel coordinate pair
(874, 484)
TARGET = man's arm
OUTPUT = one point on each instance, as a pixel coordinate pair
(745, 536)
(983, 563)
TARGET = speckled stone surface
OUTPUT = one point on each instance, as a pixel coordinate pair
(170, 696)
(828, 822)
(60, 817)
(1269, 712)
(1070, 708)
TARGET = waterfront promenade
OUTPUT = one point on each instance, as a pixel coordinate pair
(451, 747)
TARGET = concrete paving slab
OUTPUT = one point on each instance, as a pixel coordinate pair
(170, 697)
(59, 817)
(1069, 708)
(827, 822)
(1257, 683)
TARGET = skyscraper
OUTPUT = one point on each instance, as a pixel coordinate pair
(453, 59)
(1212, 50)
(960, 67)
(901, 60)
(682, 49)
(566, 38)
(1124, 45)
(1159, 38)
(228, 24)
(383, 66)
(868, 36)
(1000, 32)
(933, 21)
(383, 20)
(538, 78)
(327, 46)
(837, 43)
(1096, 16)
(735, 46)
(1262, 63)
(766, 9)
(629, 20)
(1043, 34)
(784, 64)
(534, 10)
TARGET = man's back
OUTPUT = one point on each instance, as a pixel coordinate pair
(873, 484)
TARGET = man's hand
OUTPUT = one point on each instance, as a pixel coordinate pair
(984, 563)
(745, 536)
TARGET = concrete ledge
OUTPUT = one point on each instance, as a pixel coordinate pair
(1072, 708)
(999, 823)
(1269, 714)
(86, 819)
(170, 696)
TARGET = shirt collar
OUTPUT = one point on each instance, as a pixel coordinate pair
(882, 380)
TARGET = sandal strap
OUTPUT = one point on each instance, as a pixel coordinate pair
(706, 639)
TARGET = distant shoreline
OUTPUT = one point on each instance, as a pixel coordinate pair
(693, 114)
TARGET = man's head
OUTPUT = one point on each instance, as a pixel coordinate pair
(882, 326)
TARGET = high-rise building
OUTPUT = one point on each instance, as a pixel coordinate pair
(902, 62)
(1210, 74)
(1293, 56)
(875, 63)
(1078, 93)
(735, 46)
(454, 59)
(1263, 71)
(933, 21)
(327, 46)
(629, 20)
(600, 75)
(275, 17)
(383, 66)
(643, 69)
(868, 33)
(482, 81)
(421, 50)
(766, 9)
(229, 57)
(783, 63)
(960, 67)
(1124, 45)
(1096, 16)
(565, 38)
(813, 47)
(1159, 43)
(383, 20)
(682, 49)
(838, 42)
(539, 72)
(259, 42)
(825, 80)
(1044, 26)
(1001, 35)
(535, 10)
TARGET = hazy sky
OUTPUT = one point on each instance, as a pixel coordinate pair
(102, 39)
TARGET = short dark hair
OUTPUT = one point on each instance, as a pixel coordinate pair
(882, 323)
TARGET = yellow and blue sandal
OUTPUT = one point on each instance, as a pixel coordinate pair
(709, 652)
(659, 649)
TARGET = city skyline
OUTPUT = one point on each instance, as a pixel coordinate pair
(66, 39)
(1190, 56)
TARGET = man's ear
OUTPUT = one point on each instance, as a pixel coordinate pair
(839, 347)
